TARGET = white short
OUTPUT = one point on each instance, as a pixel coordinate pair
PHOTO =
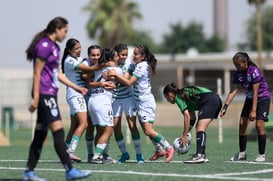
(127, 105)
(101, 112)
(77, 104)
(146, 110)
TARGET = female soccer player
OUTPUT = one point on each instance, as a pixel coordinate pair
(45, 54)
(72, 67)
(256, 105)
(100, 104)
(190, 99)
(94, 53)
(123, 100)
(144, 62)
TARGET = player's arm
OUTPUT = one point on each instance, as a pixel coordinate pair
(122, 79)
(62, 78)
(187, 118)
(86, 68)
(192, 120)
(87, 77)
(39, 65)
(108, 85)
(232, 93)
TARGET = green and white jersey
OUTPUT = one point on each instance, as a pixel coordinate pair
(88, 94)
(122, 92)
(100, 102)
(100, 91)
(142, 88)
(73, 74)
(194, 95)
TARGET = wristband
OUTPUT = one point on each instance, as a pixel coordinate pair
(225, 106)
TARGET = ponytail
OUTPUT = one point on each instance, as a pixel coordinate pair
(149, 57)
(56, 23)
(31, 48)
(70, 44)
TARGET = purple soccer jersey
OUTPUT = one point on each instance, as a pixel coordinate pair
(49, 52)
(252, 76)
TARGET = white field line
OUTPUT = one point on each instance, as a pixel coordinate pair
(148, 161)
(85, 161)
(219, 176)
(250, 162)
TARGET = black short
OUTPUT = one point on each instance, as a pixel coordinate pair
(209, 106)
(262, 111)
(48, 111)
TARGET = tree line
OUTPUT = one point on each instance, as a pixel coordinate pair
(112, 22)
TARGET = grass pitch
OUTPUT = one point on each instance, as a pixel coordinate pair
(13, 160)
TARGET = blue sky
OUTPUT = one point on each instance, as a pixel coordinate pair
(21, 19)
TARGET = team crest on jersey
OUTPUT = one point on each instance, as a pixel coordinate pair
(82, 107)
(255, 74)
(54, 112)
(249, 78)
(45, 44)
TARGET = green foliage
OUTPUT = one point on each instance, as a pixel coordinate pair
(181, 38)
(111, 21)
(256, 1)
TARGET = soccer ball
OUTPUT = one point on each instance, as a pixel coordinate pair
(182, 149)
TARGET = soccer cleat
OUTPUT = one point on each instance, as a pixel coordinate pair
(108, 159)
(239, 156)
(260, 158)
(89, 158)
(205, 159)
(169, 154)
(197, 158)
(30, 176)
(74, 174)
(74, 157)
(124, 157)
(139, 158)
(97, 158)
(157, 155)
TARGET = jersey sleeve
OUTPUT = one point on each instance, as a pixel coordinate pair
(181, 104)
(130, 68)
(42, 50)
(256, 75)
(139, 71)
(72, 63)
